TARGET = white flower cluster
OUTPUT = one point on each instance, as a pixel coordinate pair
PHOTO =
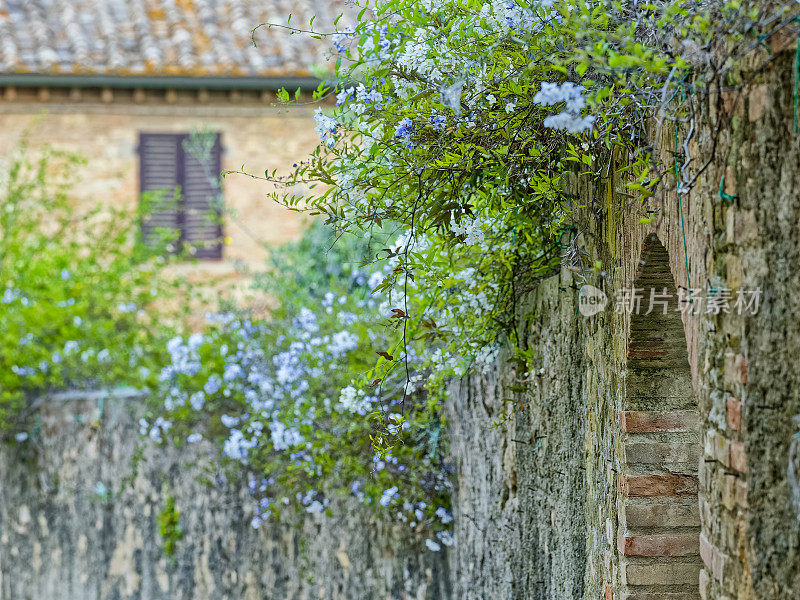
(340, 38)
(389, 495)
(361, 97)
(472, 230)
(431, 60)
(155, 432)
(378, 52)
(570, 118)
(354, 401)
(284, 437)
(237, 445)
(325, 127)
(505, 16)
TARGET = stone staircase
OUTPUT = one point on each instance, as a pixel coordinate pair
(659, 528)
(659, 523)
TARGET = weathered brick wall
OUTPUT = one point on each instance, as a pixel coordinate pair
(753, 531)
(70, 529)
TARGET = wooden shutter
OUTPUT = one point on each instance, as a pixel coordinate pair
(190, 199)
(159, 166)
(202, 201)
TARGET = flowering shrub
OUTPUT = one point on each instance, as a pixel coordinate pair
(76, 292)
(459, 126)
(467, 123)
(298, 403)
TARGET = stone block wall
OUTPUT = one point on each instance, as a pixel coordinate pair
(78, 521)
(675, 480)
(523, 494)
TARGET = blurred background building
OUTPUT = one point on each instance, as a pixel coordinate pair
(125, 83)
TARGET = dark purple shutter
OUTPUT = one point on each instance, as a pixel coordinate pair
(202, 201)
(159, 164)
(195, 212)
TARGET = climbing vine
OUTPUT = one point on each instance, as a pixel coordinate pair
(290, 403)
(78, 291)
(460, 125)
(450, 144)
(169, 527)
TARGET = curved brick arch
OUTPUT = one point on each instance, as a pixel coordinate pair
(659, 524)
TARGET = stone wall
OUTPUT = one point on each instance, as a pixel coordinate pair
(70, 529)
(600, 472)
(520, 500)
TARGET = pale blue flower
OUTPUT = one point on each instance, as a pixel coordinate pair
(306, 321)
(197, 400)
(237, 446)
(213, 385)
(232, 372)
(195, 341)
(229, 421)
(22, 371)
(404, 131)
(389, 495)
(445, 537)
(326, 127)
(444, 515)
(284, 437)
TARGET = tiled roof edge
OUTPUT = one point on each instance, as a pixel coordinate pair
(159, 81)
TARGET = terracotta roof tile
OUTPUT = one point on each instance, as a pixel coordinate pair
(155, 37)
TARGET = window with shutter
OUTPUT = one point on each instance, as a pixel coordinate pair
(158, 182)
(179, 179)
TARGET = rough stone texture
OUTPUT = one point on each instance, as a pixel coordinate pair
(519, 503)
(255, 136)
(61, 538)
(543, 488)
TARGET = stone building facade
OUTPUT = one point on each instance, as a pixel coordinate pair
(92, 76)
(254, 135)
